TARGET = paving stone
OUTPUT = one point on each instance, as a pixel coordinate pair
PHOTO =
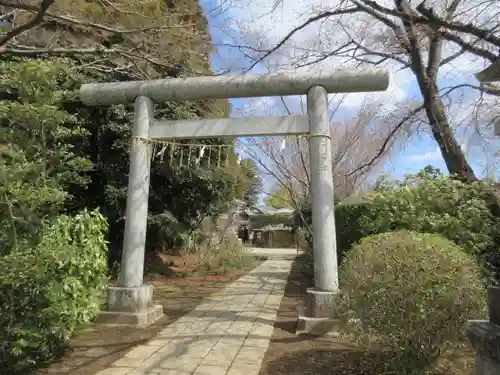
(181, 363)
(149, 371)
(158, 342)
(262, 329)
(223, 353)
(115, 371)
(142, 352)
(220, 325)
(173, 330)
(127, 362)
(240, 327)
(250, 354)
(188, 349)
(152, 362)
(227, 334)
(243, 369)
(210, 370)
(253, 340)
(197, 327)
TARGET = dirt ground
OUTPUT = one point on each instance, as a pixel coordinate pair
(96, 347)
(289, 354)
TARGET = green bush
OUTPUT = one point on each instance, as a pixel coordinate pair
(413, 294)
(426, 202)
(48, 291)
(348, 223)
(429, 202)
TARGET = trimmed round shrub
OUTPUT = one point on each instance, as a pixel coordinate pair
(46, 292)
(413, 294)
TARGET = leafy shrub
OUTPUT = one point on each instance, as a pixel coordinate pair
(48, 291)
(348, 223)
(434, 204)
(426, 202)
(413, 294)
(38, 163)
(429, 202)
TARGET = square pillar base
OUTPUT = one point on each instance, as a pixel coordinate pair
(317, 318)
(130, 306)
(485, 338)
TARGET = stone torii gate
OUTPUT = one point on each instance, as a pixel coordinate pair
(131, 301)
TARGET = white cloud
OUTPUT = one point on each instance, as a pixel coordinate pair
(426, 157)
(394, 94)
(436, 154)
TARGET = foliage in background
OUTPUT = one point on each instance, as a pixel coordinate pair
(250, 183)
(174, 43)
(280, 198)
(125, 39)
(262, 220)
(430, 202)
(47, 291)
(38, 161)
(413, 294)
(426, 202)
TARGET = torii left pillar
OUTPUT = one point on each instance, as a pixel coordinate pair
(131, 303)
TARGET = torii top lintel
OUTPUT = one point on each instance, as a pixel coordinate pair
(222, 87)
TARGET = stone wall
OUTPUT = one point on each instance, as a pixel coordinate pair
(485, 336)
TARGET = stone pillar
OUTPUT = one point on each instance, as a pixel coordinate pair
(131, 301)
(320, 298)
(484, 336)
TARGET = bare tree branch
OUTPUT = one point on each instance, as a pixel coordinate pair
(432, 19)
(93, 25)
(487, 88)
(299, 28)
(35, 20)
(469, 47)
(387, 141)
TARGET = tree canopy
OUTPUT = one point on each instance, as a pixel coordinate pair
(61, 156)
(279, 198)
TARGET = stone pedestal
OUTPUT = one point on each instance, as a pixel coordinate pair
(130, 306)
(484, 336)
(318, 316)
(320, 304)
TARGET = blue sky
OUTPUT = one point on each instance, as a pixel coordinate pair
(419, 151)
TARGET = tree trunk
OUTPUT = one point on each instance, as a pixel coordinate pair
(442, 132)
(451, 151)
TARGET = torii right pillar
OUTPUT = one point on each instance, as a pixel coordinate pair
(318, 317)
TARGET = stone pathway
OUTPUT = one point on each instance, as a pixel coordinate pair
(227, 334)
(275, 253)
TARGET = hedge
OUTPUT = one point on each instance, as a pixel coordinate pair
(46, 292)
